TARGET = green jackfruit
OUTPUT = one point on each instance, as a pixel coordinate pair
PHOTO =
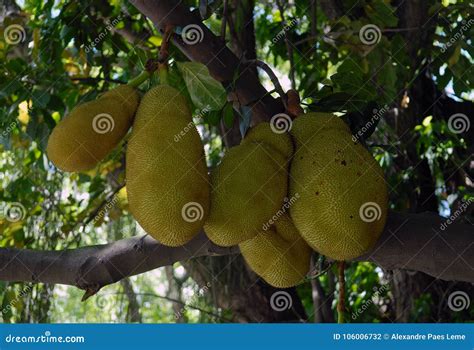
(248, 186)
(343, 200)
(92, 130)
(167, 180)
(279, 255)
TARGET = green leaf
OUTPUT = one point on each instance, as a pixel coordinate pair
(228, 115)
(205, 91)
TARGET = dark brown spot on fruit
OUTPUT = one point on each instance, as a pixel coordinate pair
(344, 163)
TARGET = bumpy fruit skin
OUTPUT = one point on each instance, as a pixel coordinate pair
(279, 255)
(343, 201)
(167, 180)
(263, 133)
(248, 187)
(92, 130)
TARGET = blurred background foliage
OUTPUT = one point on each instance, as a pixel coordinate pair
(71, 52)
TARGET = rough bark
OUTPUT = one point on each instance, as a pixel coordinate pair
(409, 241)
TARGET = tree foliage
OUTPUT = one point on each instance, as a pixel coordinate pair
(404, 65)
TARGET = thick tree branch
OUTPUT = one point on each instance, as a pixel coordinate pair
(410, 241)
(210, 50)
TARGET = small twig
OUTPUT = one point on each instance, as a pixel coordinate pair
(95, 80)
(341, 304)
(102, 204)
(272, 77)
(164, 49)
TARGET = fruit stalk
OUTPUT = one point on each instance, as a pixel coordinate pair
(141, 78)
(163, 72)
(341, 304)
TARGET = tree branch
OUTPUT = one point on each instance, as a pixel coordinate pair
(410, 241)
(210, 50)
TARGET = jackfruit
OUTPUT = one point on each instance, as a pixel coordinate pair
(248, 186)
(279, 255)
(92, 130)
(166, 173)
(343, 201)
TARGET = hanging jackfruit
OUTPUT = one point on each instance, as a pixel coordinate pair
(279, 255)
(92, 130)
(248, 186)
(343, 200)
(167, 180)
